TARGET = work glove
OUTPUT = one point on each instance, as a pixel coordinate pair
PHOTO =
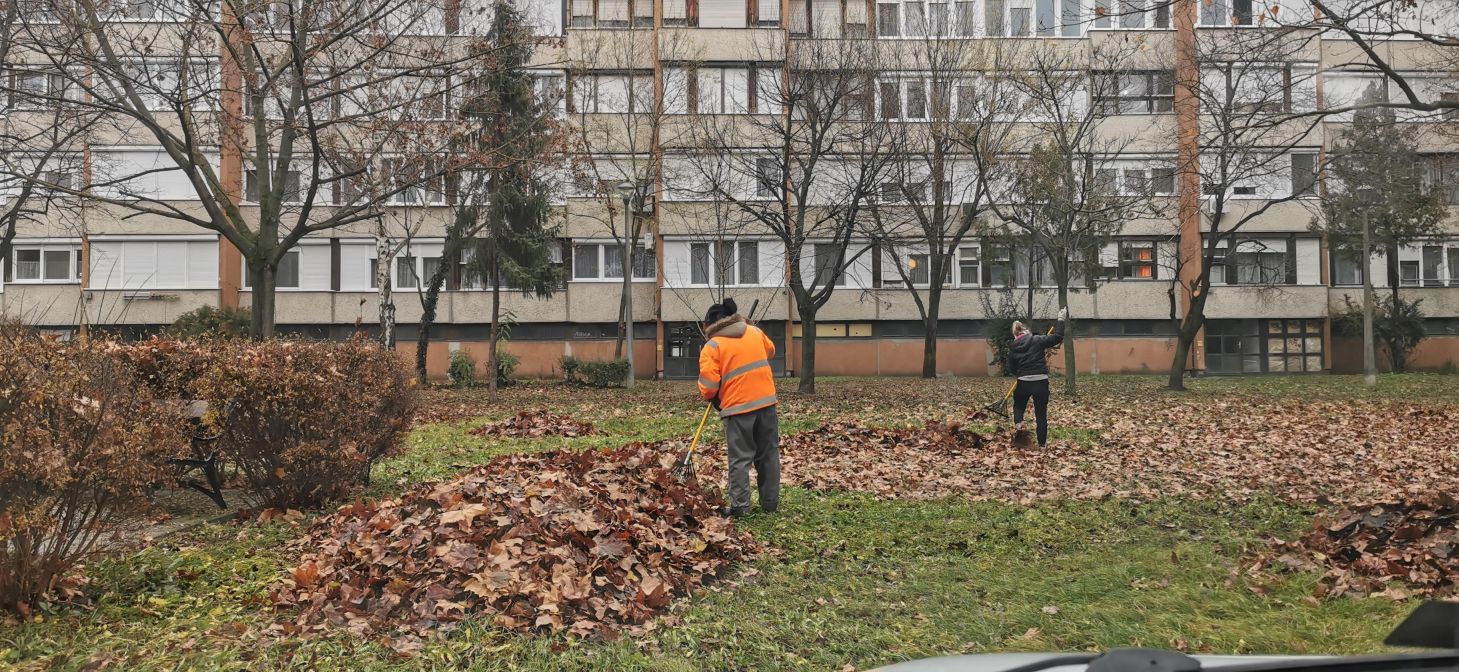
(1063, 314)
(715, 403)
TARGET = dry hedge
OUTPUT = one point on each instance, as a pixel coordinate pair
(80, 445)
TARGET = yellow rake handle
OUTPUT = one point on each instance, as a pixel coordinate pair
(697, 432)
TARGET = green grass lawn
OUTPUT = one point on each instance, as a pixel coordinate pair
(850, 580)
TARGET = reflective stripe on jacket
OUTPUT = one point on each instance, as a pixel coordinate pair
(735, 367)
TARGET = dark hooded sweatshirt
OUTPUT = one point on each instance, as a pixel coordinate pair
(1026, 357)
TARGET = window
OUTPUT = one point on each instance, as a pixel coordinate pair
(768, 181)
(1262, 87)
(1433, 265)
(417, 182)
(1304, 173)
(46, 264)
(618, 13)
(407, 275)
(1293, 346)
(888, 19)
(1441, 171)
(604, 261)
(732, 262)
(39, 88)
(718, 90)
(166, 84)
(994, 13)
(1347, 265)
(1138, 260)
(998, 268)
(1162, 180)
(161, 263)
(1255, 262)
(830, 260)
(1032, 267)
(1134, 92)
(612, 94)
(132, 10)
(1453, 259)
(292, 193)
(967, 267)
(287, 275)
(918, 267)
(1408, 273)
(903, 192)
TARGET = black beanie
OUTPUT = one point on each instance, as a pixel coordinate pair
(719, 311)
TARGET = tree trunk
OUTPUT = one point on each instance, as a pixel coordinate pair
(618, 339)
(1070, 372)
(929, 335)
(387, 301)
(491, 339)
(807, 351)
(1394, 278)
(262, 280)
(428, 318)
(1185, 338)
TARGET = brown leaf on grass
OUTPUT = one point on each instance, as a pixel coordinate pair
(589, 543)
(535, 425)
(1363, 550)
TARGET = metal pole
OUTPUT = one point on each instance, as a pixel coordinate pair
(1370, 367)
(628, 239)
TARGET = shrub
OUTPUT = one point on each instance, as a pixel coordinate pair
(462, 370)
(80, 445)
(170, 368)
(1399, 327)
(210, 322)
(595, 374)
(506, 367)
(304, 421)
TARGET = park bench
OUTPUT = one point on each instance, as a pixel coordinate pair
(203, 458)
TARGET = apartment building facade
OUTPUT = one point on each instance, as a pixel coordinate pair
(642, 80)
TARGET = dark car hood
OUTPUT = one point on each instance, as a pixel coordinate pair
(995, 662)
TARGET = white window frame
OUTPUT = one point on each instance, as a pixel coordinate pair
(42, 248)
(298, 260)
(602, 261)
(58, 86)
(713, 247)
(585, 87)
(250, 175)
(401, 198)
(119, 262)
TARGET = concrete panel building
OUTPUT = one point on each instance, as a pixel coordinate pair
(642, 83)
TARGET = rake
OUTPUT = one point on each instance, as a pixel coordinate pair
(684, 469)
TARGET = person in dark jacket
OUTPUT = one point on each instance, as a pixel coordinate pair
(1028, 361)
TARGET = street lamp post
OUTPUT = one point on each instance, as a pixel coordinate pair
(628, 191)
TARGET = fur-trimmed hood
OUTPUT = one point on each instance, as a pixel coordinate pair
(729, 327)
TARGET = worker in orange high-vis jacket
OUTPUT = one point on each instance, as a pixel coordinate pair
(735, 375)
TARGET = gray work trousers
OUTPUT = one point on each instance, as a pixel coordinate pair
(753, 439)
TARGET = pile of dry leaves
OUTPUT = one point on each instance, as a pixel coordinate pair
(936, 460)
(585, 542)
(535, 425)
(1396, 549)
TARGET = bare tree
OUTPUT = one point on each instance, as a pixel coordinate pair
(805, 167)
(935, 196)
(1254, 94)
(1071, 187)
(43, 125)
(620, 123)
(325, 101)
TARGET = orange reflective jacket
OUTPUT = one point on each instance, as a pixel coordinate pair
(735, 366)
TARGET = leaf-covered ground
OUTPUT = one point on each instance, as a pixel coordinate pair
(858, 579)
